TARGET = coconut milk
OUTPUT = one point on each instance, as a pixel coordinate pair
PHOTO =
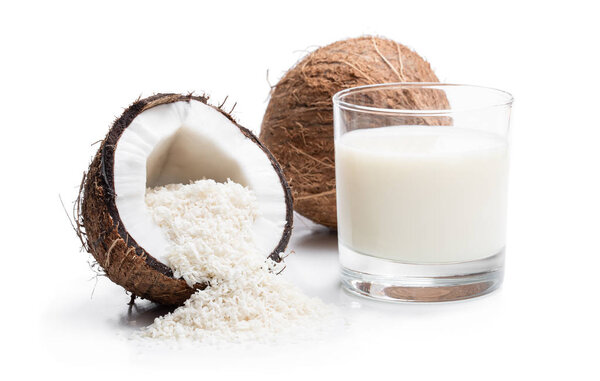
(422, 194)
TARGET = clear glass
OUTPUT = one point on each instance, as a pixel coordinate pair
(421, 179)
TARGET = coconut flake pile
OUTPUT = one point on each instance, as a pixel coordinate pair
(209, 226)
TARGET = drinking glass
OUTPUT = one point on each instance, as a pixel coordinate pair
(421, 179)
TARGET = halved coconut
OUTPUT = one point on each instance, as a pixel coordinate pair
(164, 139)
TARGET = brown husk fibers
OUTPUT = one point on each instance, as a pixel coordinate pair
(103, 234)
(298, 123)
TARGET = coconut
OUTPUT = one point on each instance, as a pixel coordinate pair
(298, 124)
(164, 139)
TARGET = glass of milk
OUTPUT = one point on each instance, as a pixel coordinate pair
(421, 173)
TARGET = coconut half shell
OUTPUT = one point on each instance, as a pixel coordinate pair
(104, 232)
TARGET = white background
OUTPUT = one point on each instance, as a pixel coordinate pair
(68, 69)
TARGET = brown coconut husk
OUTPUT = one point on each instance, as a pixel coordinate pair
(298, 123)
(103, 233)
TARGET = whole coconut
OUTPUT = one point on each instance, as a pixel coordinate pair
(298, 124)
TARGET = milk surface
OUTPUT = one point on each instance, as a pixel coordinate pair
(422, 194)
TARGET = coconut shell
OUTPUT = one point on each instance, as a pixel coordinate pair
(103, 232)
(298, 124)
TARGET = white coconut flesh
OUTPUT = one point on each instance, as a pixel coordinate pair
(182, 142)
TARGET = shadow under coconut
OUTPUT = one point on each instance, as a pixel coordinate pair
(142, 314)
(321, 242)
(308, 236)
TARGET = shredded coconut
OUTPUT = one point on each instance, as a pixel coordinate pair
(209, 225)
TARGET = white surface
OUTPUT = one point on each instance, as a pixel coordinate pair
(68, 69)
(422, 195)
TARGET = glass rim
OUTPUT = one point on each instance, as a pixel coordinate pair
(339, 102)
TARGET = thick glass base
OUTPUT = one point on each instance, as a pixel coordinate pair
(390, 280)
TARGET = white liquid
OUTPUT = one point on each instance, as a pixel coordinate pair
(422, 194)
